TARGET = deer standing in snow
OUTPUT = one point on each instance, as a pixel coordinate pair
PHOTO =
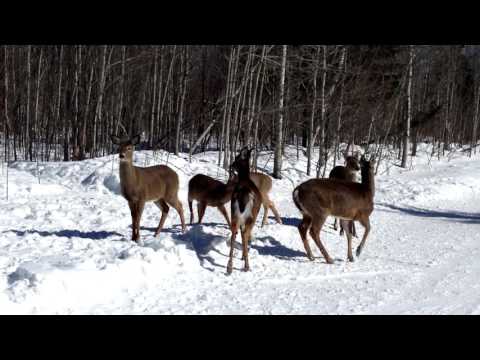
(347, 173)
(245, 205)
(264, 185)
(140, 185)
(318, 198)
(208, 191)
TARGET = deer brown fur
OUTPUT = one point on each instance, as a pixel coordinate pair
(347, 173)
(245, 205)
(140, 185)
(318, 198)
(264, 185)
(208, 191)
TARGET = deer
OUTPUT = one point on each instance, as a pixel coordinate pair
(264, 185)
(318, 198)
(145, 184)
(208, 191)
(244, 206)
(347, 173)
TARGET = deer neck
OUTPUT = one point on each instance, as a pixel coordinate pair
(127, 173)
(244, 174)
(368, 179)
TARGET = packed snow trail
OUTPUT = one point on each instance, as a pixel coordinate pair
(65, 246)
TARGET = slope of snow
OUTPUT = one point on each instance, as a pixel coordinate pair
(65, 245)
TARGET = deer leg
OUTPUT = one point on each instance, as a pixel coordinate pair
(346, 224)
(245, 240)
(191, 210)
(177, 205)
(366, 224)
(136, 216)
(222, 209)
(265, 212)
(315, 232)
(242, 233)
(164, 207)
(232, 242)
(201, 206)
(354, 231)
(335, 225)
(133, 212)
(275, 212)
(303, 229)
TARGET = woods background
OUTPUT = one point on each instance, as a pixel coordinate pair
(62, 102)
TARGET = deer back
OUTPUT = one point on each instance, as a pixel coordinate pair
(339, 198)
(207, 189)
(148, 184)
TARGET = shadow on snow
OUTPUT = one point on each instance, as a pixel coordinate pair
(458, 216)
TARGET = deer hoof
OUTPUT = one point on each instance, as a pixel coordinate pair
(330, 261)
(246, 268)
(311, 258)
(359, 251)
(351, 259)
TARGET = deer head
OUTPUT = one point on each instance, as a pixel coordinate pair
(126, 146)
(241, 165)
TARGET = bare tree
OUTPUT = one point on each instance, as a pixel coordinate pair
(406, 136)
(277, 163)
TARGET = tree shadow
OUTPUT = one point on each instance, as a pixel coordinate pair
(93, 235)
(458, 216)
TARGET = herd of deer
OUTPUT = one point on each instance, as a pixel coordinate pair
(338, 196)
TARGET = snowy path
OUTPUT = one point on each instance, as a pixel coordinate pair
(64, 248)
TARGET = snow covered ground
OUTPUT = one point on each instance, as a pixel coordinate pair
(65, 248)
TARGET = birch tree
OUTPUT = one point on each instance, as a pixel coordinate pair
(277, 163)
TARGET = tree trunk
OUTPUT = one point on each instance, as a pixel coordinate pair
(154, 92)
(225, 106)
(184, 67)
(277, 162)
(311, 127)
(406, 136)
(37, 95)
(321, 144)
(28, 143)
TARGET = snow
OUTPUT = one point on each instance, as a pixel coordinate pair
(65, 245)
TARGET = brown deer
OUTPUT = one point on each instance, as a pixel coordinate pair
(318, 198)
(245, 205)
(264, 185)
(208, 191)
(347, 173)
(140, 185)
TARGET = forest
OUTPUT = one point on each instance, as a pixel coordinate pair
(62, 102)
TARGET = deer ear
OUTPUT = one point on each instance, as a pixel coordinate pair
(135, 140)
(115, 139)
